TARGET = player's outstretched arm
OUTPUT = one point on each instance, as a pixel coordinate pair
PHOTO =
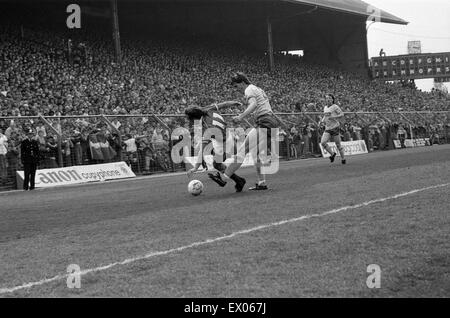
(226, 104)
(250, 108)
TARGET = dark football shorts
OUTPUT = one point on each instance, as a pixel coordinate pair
(267, 121)
(334, 132)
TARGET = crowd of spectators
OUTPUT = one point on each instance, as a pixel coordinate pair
(303, 141)
(163, 76)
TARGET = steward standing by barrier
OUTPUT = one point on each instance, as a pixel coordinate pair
(29, 149)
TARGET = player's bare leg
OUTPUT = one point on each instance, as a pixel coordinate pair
(337, 140)
(261, 184)
(241, 152)
(240, 156)
(324, 142)
(261, 177)
(261, 152)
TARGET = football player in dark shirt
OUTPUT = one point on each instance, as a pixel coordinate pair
(213, 121)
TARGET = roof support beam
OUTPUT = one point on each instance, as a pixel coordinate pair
(270, 44)
(116, 33)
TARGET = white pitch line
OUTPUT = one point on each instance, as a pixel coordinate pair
(218, 239)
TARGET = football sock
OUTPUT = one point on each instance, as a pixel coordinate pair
(235, 178)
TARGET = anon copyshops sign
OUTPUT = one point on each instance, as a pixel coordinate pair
(46, 178)
(351, 148)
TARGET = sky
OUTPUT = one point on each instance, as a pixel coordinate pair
(429, 22)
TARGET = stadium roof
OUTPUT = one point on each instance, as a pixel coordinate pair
(354, 6)
(357, 7)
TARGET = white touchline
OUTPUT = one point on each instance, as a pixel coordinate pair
(221, 238)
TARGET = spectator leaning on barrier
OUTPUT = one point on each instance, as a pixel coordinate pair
(160, 145)
(131, 155)
(294, 143)
(383, 137)
(85, 147)
(51, 153)
(434, 135)
(77, 155)
(12, 128)
(145, 153)
(42, 141)
(3, 152)
(67, 147)
(291, 150)
(401, 133)
(307, 139)
(40, 128)
(12, 157)
(114, 142)
(282, 137)
(297, 139)
(356, 132)
(346, 136)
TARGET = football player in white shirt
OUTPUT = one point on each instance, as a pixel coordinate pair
(258, 104)
(332, 116)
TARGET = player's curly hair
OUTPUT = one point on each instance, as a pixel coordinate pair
(332, 97)
(240, 77)
(195, 113)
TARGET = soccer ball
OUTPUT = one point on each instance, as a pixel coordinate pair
(195, 187)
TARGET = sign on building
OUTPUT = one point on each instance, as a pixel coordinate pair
(414, 47)
(401, 67)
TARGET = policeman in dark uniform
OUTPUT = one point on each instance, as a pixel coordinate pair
(30, 159)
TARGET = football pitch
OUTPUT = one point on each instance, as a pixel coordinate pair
(314, 234)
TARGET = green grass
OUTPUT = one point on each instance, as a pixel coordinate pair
(318, 257)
